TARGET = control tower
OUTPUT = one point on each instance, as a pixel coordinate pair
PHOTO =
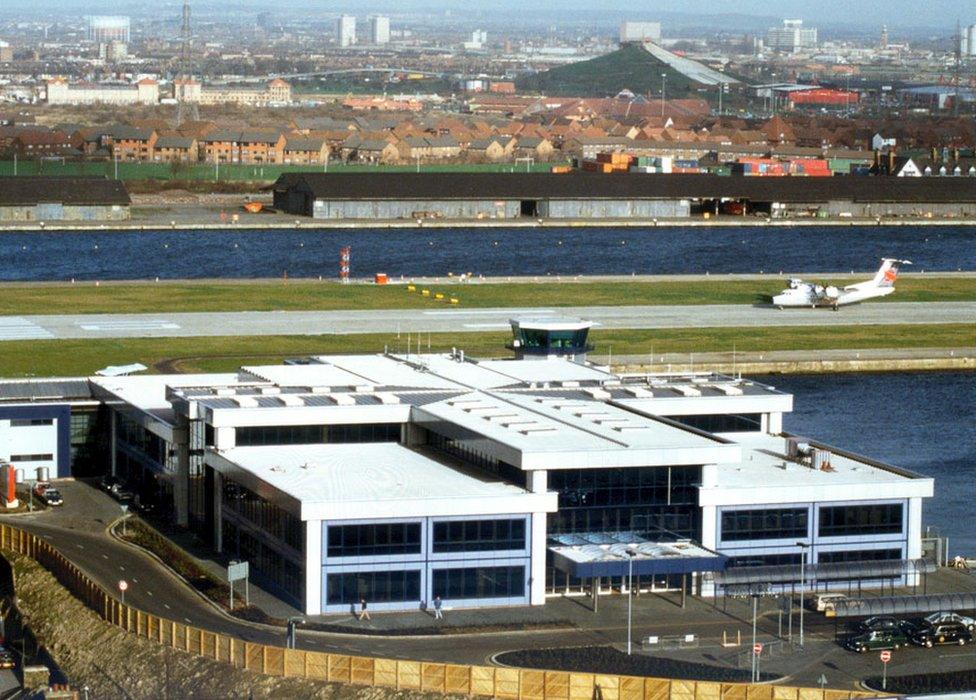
(548, 338)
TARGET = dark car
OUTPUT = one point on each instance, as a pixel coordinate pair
(878, 639)
(880, 624)
(944, 633)
(110, 483)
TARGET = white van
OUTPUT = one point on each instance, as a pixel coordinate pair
(825, 601)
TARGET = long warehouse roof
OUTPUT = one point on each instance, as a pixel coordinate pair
(78, 191)
(582, 185)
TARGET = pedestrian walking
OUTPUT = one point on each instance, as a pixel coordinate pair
(438, 603)
(363, 611)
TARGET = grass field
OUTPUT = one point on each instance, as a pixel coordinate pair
(248, 173)
(41, 358)
(86, 298)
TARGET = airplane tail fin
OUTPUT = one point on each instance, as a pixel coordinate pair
(888, 272)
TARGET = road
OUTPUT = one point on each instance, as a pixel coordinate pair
(459, 320)
(78, 530)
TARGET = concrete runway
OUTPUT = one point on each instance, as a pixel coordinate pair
(460, 320)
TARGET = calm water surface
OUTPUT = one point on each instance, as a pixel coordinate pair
(491, 252)
(924, 422)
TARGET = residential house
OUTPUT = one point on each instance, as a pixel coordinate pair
(221, 146)
(490, 149)
(258, 146)
(305, 150)
(534, 147)
(375, 151)
(175, 149)
(132, 143)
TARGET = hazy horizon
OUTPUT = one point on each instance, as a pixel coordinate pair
(895, 13)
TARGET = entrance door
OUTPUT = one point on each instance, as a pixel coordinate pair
(529, 208)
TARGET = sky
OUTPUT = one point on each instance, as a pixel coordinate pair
(904, 13)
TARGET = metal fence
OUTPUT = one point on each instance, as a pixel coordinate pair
(458, 679)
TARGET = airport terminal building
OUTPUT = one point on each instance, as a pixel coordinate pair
(400, 477)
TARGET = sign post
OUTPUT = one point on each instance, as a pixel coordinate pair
(885, 658)
(757, 653)
(237, 571)
(123, 587)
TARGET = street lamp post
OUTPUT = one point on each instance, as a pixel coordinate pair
(291, 633)
(631, 553)
(803, 581)
(755, 658)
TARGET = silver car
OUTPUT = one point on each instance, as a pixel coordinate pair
(942, 617)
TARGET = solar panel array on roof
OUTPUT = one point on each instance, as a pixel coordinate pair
(33, 389)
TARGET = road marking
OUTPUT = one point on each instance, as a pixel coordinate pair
(488, 312)
(104, 556)
(487, 325)
(135, 580)
(17, 328)
(166, 605)
(128, 325)
(188, 620)
(79, 546)
(149, 593)
(121, 568)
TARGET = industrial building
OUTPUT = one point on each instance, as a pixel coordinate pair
(597, 197)
(792, 37)
(52, 199)
(399, 477)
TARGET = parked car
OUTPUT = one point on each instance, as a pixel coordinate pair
(48, 494)
(943, 633)
(7, 659)
(940, 617)
(878, 639)
(880, 624)
(110, 483)
(825, 601)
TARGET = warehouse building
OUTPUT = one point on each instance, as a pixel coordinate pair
(620, 196)
(53, 199)
(397, 478)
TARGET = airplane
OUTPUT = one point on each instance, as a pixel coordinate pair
(801, 293)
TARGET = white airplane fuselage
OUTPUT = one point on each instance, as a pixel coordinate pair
(806, 295)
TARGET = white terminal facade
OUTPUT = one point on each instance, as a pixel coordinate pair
(397, 478)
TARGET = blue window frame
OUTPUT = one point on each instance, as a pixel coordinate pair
(479, 535)
(373, 540)
(373, 587)
(764, 524)
(877, 519)
(480, 582)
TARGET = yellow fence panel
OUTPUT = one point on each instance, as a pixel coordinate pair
(274, 661)
(408, 675)
(385, 672)
(734, 691)
(432, 677)
(223, 649)
(507, 683)
(682, 690)
(708, 691)
(317, 665)
(339, 665)
(483, 681)
(789, 693)
(631, 688)
(760, 692)
(581, 686)
(208, 644)
(457, 679)
(532, 685)
(361, 670)
(609, 686)
(557, 685)
(193, 643)
(254, 657)
(294, 663)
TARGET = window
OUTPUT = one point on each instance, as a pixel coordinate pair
(376, 540)
(765, 560)
(883, 519)
(764, 524)
(480, 582)
(719, 423)
(479, 535)
(269, 518)
(25, 422)
(314, 434)
(645, 499)
(42, 457)
(859, 555)
(373, 586)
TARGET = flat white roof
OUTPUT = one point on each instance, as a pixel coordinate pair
(766, 475)
(147, 392)
(370, 480)
(491, 374)
(313, 375)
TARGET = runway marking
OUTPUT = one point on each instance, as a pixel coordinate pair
(128, 325)
(17, 328)
(487, 325)
(488, 312)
